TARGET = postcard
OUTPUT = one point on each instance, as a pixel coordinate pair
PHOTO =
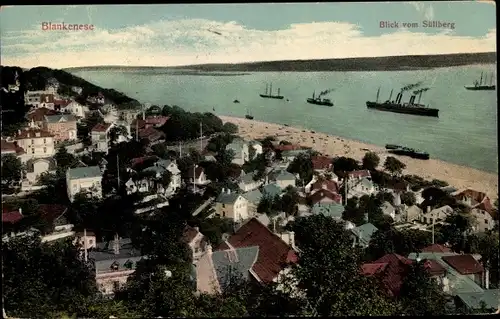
(325, 103)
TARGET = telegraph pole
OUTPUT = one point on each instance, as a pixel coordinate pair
(201, 137)
(118, 172)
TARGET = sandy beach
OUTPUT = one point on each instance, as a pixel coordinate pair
(458, 176)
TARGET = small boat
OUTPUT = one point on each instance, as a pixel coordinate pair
(236, 101)
(270, 94)
(480, 86)
(249, 116)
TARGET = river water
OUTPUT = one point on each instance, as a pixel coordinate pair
(465, 132)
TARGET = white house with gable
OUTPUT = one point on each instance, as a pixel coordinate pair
(87, 179)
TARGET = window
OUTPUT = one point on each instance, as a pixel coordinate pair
(32, 141)
(91, 242)
(223, 214)
(129, 264)
(45, 150)
(486, 221)
(223, 205)
(114, 266)
(44, 141)
(116, 285)
(33, 151)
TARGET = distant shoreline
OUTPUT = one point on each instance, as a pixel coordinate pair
(389, 63)
(458, 176)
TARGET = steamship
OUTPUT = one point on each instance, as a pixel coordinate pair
(480, 86)
(406, 151)
(319, 101)
(407, 108)
(269, 95)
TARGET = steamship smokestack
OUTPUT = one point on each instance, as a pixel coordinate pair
(412, 99)
(398, 98)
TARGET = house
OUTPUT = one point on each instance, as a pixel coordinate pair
(150, 122)
(46, 100)
(11, 148)
(231, 205)
(84, 179)
(253, 198)
(324, 196)
(290, 155)
(322, 164)
(436, 248)
(100, 137)
(362, 235)
(75, 108)
(37, 116)
(257, 148)
(152, 135)
(248, 182)
(62, 127)
(436, 215)
(323, 184)
(388, 210)
(333, 210)
(114, 262)
(271, 190)
(240, 149)
(197, 176)
(215, 269)
(462, 272)
(359, 187)
(196, 242)
(36, 167)
(391, 269)
(265, 260)
(35, 142)
(473, 302)
(86, 239)
(358, 175)
(282, 178)
(157, 170)
(411, 213)
(56, 226)
(481, 208)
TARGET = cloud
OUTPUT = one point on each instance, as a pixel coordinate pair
(196, 41)
(425, 9)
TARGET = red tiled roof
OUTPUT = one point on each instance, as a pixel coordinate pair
(38, 115)
(321, 162)
(51, 212)
(323, 193)
(392, 273)
(62, 103)
(326, 184)
(150, 121)
(151, 134)
(479, 200)
(360, 173)
(189, 234)
(436, 248)
(101, 127)
(274, 253)
(11, 217)
(434, 268)
(32, 133)
(464, 264)
(140, 160)
(8, 147)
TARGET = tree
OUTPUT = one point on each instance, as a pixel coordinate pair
(394, 166)
(289, 201)
(371, 161)
(303, 166)
(385, 196)
(487, 245)
(269, 205)
(343, 164)
(408, 198)
(328, 272)
(11, 169)
(230, 128)
(225, 157)
(166, 179)
(64, 159)
(353, 213)
(402, 242)
(420, 294)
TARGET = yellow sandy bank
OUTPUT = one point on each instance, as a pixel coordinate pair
(456, 175)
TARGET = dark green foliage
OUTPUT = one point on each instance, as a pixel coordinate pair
(371, 161)
(395, 241)
(11, 170)
(342, 165)
(408, 198)
(394, 166)
(303, 166)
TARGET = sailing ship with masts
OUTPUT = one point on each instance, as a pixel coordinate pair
(406, 108)
(269, 95)
(249, 115)
(480, 86)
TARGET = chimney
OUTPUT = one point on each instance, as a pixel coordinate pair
(19, 132)
(116, 245)
(487, 279)
(20, 211)
(197, 228)
(229, 191)
(267, 180)
(428, 209)
(223, 190)
(209, 249)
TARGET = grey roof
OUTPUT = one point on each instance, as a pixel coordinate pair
(104, 257)
(458, 283)
(285, 176)
(271, 190)
(253, 196)
(236, 145)
(225, 198)
(293, 152)
(333, 210)
(84, 172)
(473, 300)
(57, 118)
(248, 178)
(364, 232)
(237, 262)
(30, 168)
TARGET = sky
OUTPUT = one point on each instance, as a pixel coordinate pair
(184, 34)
